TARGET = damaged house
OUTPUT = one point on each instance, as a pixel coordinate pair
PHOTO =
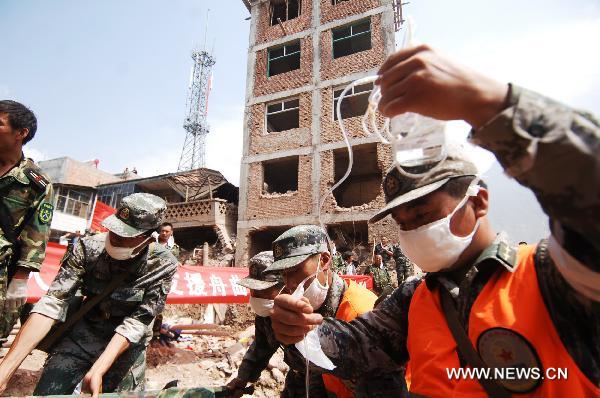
(201, 205)
(302, 55)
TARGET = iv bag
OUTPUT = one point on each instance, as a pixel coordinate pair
(417, 140)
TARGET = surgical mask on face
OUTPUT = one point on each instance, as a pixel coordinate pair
(433, 247)
(121, 253)
(316, 292)
(262, 307)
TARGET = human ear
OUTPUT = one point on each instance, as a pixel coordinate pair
(325, 261)
(480, 203)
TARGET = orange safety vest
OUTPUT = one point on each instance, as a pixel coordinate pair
(510, 327)
(356, 301)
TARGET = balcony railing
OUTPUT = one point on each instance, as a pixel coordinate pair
(201, 213)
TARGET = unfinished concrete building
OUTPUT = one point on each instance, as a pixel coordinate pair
(302, 54)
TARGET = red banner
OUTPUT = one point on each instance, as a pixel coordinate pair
(191, 284)
(101, 211)
(363, 280)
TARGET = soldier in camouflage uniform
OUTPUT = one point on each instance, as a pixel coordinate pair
(25, 212)
(264, 287)
(382, 282)
(404, 267)
(107, 346)
(302, 256)
(546, 146)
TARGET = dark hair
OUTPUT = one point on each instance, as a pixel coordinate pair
(165, 224)
(347, 255)
(457, 187)
(20, 117)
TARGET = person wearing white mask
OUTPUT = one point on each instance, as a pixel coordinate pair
(302, 256)
(264, 287)
(485, 304)
(106, 346)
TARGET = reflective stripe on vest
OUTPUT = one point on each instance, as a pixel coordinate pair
(510, 327)
(356, 301)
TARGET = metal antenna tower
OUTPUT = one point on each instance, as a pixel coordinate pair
(196, 125)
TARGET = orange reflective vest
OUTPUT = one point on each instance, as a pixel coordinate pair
(356, 301)
(511, 329)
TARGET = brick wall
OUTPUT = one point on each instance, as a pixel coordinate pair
(265, 32)
(361, 61)
(330, 129)
(272, 206)
(261, 142)
(330, 12)
(283, 81)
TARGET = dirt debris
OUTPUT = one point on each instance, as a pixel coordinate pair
(198, 361)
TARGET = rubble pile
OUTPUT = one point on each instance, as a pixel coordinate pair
(210, 361)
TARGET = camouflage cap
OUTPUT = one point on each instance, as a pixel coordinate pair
(137, 213)
(399, 188)
(257, 278)
(296, 245)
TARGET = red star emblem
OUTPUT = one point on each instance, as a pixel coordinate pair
(506, 355)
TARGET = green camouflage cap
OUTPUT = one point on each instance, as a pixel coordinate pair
(257, 278)
(137, 213)
(399, 188)
(296, 245)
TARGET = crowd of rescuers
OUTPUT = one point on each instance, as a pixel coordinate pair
(482, 302)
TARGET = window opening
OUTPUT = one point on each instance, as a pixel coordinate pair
(283, 59)
(280, 175)
(351, 39)
(363, 184)
(355, 102)
(283, 115)
(284, 10)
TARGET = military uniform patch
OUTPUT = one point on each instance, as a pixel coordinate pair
(277, 251)
(45, 213)
(37, 179)
(504, 348)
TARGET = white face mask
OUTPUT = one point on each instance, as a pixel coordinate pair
(262, 307)
(433, 247)
(316, 292)
(121, 253)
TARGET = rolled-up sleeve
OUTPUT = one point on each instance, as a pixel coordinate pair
(555, 151)
(54, 303)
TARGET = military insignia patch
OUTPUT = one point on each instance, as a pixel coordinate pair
(45, 213)
(503, 348)
(124, 213)
(391, 186)
(277, 251)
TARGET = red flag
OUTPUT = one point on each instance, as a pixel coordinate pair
(101, 211)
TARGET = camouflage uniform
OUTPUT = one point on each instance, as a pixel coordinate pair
(404, 267)
(23, 189)
(565, 179)
(128, 310)
(337, 264)
(264, 345)
(381, 278)
(291, 248)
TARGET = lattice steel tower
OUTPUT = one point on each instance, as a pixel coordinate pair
(196, 125)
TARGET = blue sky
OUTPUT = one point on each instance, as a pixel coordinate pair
(108, 79)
